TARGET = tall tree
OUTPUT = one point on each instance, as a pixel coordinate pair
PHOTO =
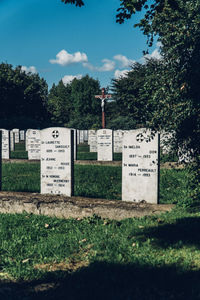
(22, 96)
(59, 103)
(74, 104)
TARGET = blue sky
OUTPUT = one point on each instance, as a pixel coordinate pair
(62, 41)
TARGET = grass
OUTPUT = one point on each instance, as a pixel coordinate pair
(19, 152)
(94, 181)
(153, 257)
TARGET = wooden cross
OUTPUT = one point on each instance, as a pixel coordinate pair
(103, 97)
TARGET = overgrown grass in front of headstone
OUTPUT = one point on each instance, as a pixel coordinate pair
(95, 181)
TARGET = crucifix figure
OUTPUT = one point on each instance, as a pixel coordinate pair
(103, 97)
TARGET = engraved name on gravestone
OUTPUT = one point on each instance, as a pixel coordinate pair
(16, 135)
(57, 161)
(33, 144)
(92, 140)
(118, 134)
(28, 132)
(105, 144)
(140, 166)
(5, 144)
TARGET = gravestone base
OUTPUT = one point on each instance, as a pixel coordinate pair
(76, 207)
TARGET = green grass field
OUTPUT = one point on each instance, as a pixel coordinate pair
(155, 257)
(94, 181)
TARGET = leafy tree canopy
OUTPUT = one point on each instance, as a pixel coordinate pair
(74, 104)
(21, 96)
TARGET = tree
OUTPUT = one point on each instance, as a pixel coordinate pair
(59, 103)
(23, 97)
(74, 104)
(176, 25)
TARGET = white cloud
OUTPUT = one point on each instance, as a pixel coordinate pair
(155, 54)
(68, 78)
(30, 69)
(125, 62)
(89, 66)
(64, 58)
(119, 74)
(108, 65)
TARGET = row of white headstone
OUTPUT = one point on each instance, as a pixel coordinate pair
(140, 163)
(9, 139)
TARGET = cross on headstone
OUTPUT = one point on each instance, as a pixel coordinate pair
(103, 97)
(55, 134)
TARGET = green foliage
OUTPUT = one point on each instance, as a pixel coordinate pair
(74, 104)
(170, 88)
(76, 2)
(23, 97)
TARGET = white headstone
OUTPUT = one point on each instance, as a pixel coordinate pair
(22, 135)
(92, 140)
(85, 135)
(12, 142)
(57, 161)
(81, 136)
(33, 144)
(78, 136)
(140, 166)
(118, 134)
(16, 135)
(5, 144)
(105, 144)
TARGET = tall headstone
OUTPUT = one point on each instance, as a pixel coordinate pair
(81, 136)
(92, 140)
(28, 131)
(118, 134)
(16, 135)
(5, 144)
(12, 141)
(105, 145)
(33, 144)
(78, 136)
(57, 161)
(85, 135)
(140, 166)
(22, 135)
